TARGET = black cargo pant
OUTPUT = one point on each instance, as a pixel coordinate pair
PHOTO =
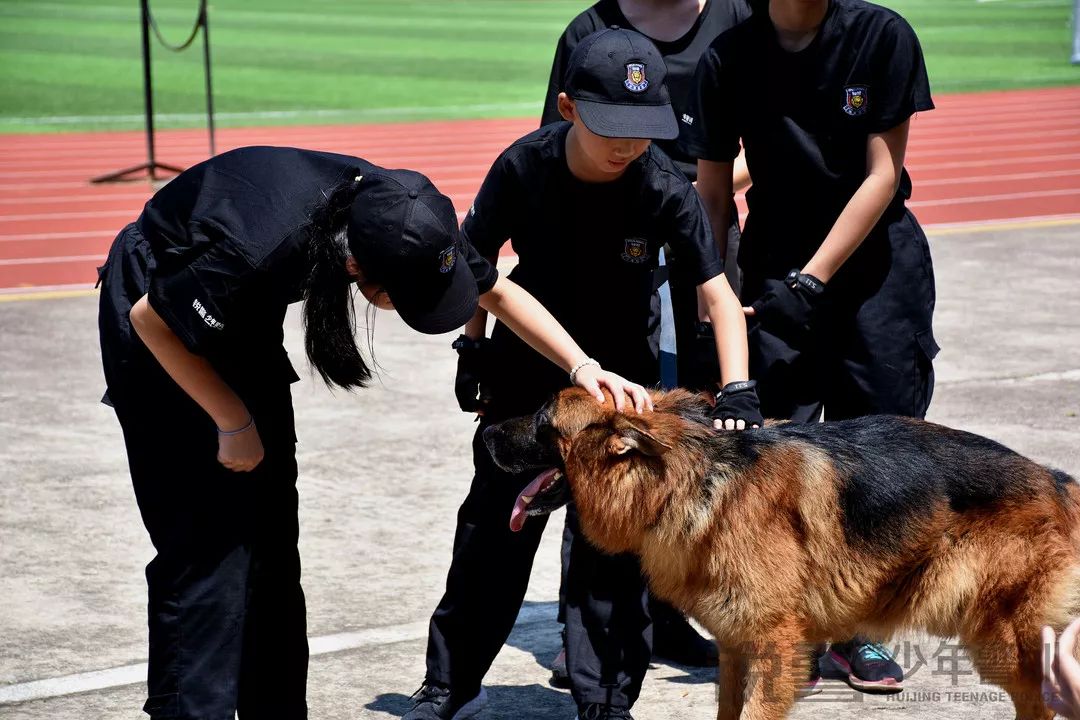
(227, 624)
(609, 637)
(871, 347)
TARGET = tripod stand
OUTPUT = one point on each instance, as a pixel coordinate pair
(152, 167)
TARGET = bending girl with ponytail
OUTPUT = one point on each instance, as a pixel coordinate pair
(194, 294)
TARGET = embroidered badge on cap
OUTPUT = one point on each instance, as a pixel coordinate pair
(635, 77)
(635, 250)
(855, 100)
(447, 258)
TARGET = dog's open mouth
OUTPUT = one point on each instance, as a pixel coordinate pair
(548, 492)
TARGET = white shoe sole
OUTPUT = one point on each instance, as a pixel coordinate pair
(473, 707)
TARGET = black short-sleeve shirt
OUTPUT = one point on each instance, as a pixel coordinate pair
(804, 118)
(230, 237)
(681, 57)
(587, 251)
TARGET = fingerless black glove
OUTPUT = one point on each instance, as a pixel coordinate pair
(738, 401)
(787, 306)
(472, 370)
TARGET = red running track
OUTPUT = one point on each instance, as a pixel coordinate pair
(978, 158)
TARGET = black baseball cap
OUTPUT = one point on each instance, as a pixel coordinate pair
(404, 234)
(616, 79)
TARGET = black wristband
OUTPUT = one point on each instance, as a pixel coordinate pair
(466, 343)
(738, 386)
(804, 281)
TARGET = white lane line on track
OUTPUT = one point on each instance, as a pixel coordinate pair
(976, 149)
(34, 199)
(50, 260)
(105, 234)
(90, 162)
(410, 156)
(1007, 177)
(370, 141)
(425, 162)
(72, 287)
(993, 162)
(88, 197)
(59, 236)
(930, 126)
(46, 292)
(67, 216)
(343, 114)
(993, 198)
(136, 673)
(931, 228)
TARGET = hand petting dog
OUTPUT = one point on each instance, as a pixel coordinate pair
(737, 407)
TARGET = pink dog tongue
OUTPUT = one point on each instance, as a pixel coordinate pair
(517, 515)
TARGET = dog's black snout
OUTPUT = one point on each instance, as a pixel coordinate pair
(499, 445)
(514, 447)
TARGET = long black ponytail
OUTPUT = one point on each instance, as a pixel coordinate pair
(329, 310)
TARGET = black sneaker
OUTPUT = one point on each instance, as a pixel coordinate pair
(867, 666)
(432, 702)
(596, 711)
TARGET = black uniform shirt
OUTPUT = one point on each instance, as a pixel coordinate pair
(587, 251)
(805, 117)
(230, 238)
(681, 57)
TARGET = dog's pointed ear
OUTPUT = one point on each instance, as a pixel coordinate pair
(630, 435)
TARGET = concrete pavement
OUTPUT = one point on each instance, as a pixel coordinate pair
(382, 474)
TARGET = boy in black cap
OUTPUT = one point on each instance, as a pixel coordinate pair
(682, 31)
(192, 302)
(586, 204)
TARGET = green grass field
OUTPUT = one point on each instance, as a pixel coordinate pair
(74, 64)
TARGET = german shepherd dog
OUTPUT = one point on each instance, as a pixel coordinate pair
(792, 535)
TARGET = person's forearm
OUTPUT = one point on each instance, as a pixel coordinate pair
(856, 221)
(885, 165)
(531, 321)
(193, 373)
(729, 329)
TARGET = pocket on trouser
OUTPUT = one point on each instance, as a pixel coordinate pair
(926, 349)
(123, 278)
(162, 706)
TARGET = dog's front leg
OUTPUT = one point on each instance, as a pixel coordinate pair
(731, 682)
(776, 668)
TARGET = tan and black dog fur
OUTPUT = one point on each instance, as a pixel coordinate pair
(781, 538)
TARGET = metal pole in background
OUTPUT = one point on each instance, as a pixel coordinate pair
(204, 19)
(151, 166)
(148, 89)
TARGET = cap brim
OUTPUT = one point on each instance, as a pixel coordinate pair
(646, 122)
(434, 311)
